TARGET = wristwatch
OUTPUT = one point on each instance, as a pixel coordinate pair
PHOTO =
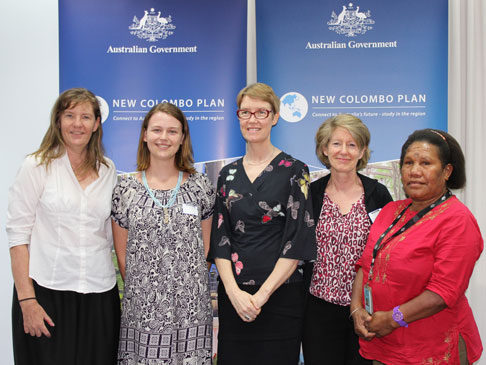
(398, 317)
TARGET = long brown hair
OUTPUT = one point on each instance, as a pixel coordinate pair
(184, 159)
(53, 146)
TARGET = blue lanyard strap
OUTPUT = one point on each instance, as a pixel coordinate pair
(172, 196)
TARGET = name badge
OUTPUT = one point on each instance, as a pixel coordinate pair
(374, 214)
(368, 299)
(189, 209)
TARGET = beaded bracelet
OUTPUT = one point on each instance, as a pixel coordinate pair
(23, 300)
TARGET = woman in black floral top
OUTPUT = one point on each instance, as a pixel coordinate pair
(263, 226)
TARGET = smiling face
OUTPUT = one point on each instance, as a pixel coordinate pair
(77, 124)
(342, 151)
(256, 130)
(163, 136)
(423, 176)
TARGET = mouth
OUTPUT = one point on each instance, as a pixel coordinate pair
(162, 145)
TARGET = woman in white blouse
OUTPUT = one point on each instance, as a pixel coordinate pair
(66, 306)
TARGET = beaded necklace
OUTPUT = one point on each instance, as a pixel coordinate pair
(171, 199)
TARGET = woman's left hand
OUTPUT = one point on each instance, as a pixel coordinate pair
(259, 299)
(382, 323)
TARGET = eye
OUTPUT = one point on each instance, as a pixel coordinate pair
(261, 113)
(244, 113)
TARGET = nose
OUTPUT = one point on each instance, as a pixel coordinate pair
(77, 120)
(343, 148)
(252, 118)
(415, 169)
(163, 134)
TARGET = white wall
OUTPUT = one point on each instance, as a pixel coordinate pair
(29, 82)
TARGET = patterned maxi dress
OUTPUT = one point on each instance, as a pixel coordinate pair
(166, 309)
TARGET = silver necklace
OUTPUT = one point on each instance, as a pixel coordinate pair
(262, 162)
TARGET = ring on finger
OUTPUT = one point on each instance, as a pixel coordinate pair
(247, 317)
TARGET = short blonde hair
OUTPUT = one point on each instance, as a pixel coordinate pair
(354, 126)
(260, 91)
(184, 159)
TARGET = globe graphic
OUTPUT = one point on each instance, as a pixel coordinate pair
(293, 107)
(104, 108)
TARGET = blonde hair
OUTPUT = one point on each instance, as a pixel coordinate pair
(184, 159)
(53, 145)
(354, 126)
(260, 91)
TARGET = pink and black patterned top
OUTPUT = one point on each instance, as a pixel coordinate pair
(341, 240)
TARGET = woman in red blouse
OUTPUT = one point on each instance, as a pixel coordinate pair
(345, 204)
(408, 301)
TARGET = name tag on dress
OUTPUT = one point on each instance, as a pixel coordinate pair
(189, 209)
(374, 214)
(368, 299)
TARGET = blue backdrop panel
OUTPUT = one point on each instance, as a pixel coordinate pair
(135, 54)
(384, 61)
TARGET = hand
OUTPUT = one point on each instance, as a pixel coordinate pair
(361, 319)
(382, 323)
(35, 319)
(259, 299)
(243, 304)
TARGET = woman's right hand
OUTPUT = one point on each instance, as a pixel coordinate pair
(361, 318)
(243, 304)
(35, 319)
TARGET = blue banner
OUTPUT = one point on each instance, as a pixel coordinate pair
(383, 61)
(135, 54)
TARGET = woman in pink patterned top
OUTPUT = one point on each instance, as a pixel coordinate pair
(346, 203)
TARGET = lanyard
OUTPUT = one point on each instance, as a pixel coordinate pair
(380, 243)
(172, 196)
(171, 199)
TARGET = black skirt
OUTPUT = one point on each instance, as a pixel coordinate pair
(274, 337)
(85, 333)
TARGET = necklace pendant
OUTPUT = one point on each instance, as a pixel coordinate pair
(166, 215)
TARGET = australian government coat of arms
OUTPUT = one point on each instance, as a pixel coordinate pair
(351, 21)
(152, 26)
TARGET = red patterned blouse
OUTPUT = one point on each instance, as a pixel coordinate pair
(341, 240)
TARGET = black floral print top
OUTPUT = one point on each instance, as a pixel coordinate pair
(257, 223)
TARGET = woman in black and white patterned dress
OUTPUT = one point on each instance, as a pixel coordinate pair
(161, 226)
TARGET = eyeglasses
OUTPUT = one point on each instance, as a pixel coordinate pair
(259, 114)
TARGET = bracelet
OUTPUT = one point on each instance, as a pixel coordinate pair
(23, 300)
(353, 312)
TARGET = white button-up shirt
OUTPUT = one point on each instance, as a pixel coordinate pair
(68, 229)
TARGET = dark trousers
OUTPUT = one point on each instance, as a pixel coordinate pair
(329, 336)
(85, 333)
